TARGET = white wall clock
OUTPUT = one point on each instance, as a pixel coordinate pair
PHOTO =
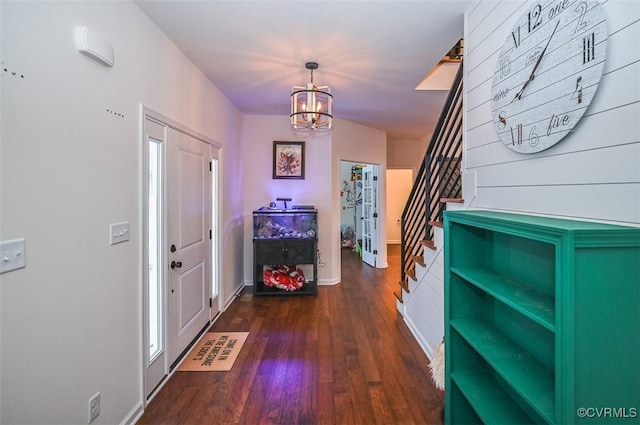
(547, 73)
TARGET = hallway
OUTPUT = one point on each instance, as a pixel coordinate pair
(342, 357)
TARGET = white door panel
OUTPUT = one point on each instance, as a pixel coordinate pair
(193, 172)
(189, 192)
(192, 296)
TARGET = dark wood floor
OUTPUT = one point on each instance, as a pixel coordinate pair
(342, 357)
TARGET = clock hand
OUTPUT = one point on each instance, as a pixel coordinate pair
(518, 95)
(543, 51)
(535, 67)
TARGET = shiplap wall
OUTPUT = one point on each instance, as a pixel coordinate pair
(593, 173)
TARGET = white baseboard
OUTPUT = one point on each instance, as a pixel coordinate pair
(235, 295)
(134, 415)
(428, 350)
(332, 281)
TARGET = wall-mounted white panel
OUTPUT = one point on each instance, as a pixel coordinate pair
(620, 14)
(481, 114)
(620, 53)
(481, 136)
(477, 30)
(617, 203)
(617, 88)
(13, 255)
(575, 169)
(94, 46)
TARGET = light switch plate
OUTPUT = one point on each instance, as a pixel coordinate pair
(13, 255)
(118, 232)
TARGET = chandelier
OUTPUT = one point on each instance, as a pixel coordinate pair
(311, 105)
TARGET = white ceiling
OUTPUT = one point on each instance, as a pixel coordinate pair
(372, 54)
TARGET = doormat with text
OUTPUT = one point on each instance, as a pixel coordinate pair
(216, 351)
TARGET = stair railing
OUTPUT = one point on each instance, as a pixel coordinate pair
(439, 177)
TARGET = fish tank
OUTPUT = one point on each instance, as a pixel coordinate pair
(293, 223)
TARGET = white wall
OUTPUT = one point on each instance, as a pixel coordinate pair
(320, 186)
(407, 153)
(594, 172)
(70, 165)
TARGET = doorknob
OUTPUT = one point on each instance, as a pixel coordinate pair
(176, 264)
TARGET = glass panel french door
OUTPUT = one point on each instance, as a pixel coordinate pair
(369, 224)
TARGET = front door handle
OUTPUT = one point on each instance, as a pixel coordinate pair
(176, 264)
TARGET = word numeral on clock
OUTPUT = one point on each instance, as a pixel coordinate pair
(588, 48)
(535, 17)
(518, 136)
(582, 9)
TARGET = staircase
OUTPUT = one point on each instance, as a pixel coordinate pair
(438, 185)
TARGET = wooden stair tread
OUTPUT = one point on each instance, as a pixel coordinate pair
(398, 295)
(404, 284)
(419, 260)
(411, 273)
(436, 224)
(429, 244)
(452, 200)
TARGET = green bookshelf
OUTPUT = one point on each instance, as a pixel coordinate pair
(541, 318)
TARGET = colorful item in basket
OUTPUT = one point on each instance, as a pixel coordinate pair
(288, 278)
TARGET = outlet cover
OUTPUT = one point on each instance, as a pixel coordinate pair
(94, 407)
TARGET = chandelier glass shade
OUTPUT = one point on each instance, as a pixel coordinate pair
(311, 106)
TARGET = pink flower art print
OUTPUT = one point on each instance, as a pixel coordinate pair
(288, 161)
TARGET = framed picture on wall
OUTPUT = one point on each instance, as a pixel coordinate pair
(288, 160)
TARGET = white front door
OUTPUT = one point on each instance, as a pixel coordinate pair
(369, 215)
(188, 241)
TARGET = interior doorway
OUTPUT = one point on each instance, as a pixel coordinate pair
(399, 183)
(359, 209)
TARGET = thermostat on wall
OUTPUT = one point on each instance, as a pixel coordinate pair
(92, 45)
